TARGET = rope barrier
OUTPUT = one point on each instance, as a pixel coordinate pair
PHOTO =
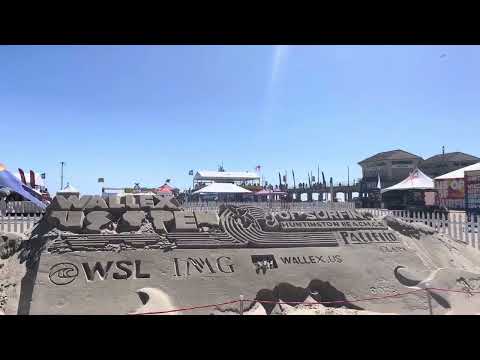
(307, 303)
(188, 308)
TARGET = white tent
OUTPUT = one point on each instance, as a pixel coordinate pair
(417, 180)
(458, 174)
(69, 189)
(222, 188)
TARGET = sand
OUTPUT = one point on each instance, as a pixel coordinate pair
(445, 262)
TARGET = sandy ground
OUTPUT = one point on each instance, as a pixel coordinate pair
(11, 274)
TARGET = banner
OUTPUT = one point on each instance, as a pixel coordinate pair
(472, 190)
(455, 189)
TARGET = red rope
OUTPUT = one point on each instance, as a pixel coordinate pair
(188, 308)
(308, 303)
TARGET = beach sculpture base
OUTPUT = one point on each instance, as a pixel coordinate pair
(180, 260)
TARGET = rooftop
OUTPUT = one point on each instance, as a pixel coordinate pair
(459, 173)
(453, 156)
(391, 155)
(226, 175)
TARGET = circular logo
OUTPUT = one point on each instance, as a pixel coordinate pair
(454, 185)
(63, 273)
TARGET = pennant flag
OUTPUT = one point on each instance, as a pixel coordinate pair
(22, 176)
(32, 179)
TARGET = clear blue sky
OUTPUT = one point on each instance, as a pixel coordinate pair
(147, 113)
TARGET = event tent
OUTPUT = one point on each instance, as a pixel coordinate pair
(166, 189)
(222, 188)
(417, 180)
(459, 173)
(68, 190)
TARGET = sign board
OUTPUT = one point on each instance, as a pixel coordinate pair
(472, 190)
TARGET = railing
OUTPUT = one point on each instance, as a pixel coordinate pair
(455, 224)
(273, 206)
(18, 223)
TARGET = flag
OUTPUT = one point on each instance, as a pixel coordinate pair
(101, 180)
(190, 172)
(32, 179)
(42, 175)
(22, 176)
(257, 168)
(379, 184)
(167, 181)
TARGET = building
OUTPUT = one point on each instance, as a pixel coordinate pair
(392, 167)
(242, 178)
(441, 164)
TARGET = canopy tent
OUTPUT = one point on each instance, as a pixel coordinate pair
(166, 189)
(459, 173)
(69, 189)
(417, 180)
(222, 188)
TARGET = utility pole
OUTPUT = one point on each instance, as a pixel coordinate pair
(62, 163)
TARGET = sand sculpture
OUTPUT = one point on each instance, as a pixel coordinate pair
(144, 254)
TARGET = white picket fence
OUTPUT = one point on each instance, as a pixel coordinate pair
(455, 223)
(18, 223)
(273, 206)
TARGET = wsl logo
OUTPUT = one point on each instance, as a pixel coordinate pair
(63, 273)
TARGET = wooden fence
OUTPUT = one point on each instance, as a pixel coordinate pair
(455, 223)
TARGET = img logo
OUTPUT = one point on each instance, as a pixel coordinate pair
(264, 262)
(63, 273)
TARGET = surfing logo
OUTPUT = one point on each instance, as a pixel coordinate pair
(63, 273)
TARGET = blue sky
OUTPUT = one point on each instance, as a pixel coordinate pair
(147, 113)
